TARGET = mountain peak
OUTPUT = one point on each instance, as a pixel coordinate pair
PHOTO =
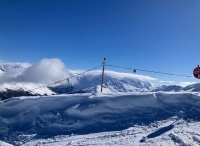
(2, 68)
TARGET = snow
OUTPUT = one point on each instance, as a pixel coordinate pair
(130, 111)
(85, 83)
(114, 74)
(142, 118)
(130, 136)
(4, 144)
(27, 77)
(113, 82)
(26, 87)
(24, 76)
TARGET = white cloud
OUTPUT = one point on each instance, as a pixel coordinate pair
(167, 82)
(14, 64)
(184, 84)
(45, 71)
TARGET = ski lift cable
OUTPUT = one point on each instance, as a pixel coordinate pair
(32, 90)
(149, 71)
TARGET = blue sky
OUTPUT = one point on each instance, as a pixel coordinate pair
(160, 35)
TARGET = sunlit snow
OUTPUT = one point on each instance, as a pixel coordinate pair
(168, 119)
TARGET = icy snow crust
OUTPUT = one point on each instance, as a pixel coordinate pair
(154, 118)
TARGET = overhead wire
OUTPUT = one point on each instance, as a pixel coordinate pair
(135, 69)
(129, 68)
(56, 82)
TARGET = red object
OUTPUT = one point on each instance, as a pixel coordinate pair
(196, 72)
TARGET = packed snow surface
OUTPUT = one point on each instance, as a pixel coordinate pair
(102, 119)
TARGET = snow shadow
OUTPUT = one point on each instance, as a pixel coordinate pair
(160, 131)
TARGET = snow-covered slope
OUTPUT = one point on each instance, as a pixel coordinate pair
(27, 87)
(90, 83)
(4, 144)
(17, 77)
(86, 83)
(113, 82)
(165, 133)
(173, 88)
(194, 87)
(169, 118)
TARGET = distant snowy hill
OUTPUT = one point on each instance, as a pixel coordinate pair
(18, 77)
(86, 83)
(113, 82)
(194, 87)
(90, 83)
(169, 88)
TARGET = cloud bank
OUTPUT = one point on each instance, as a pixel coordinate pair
(45, 71)
(184, 84)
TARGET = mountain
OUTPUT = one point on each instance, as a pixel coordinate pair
(89, 82)
(2, 69)
(86, 83)
(172, 88)
(113, 82)
(118, 82)
(193, 87)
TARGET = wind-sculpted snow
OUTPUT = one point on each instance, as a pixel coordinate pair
(85, 113)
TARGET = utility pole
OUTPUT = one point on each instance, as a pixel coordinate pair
(102, 78)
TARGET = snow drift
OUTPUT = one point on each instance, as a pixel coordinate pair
(86, 113)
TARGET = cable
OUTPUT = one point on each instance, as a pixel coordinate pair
(134, 69)
(149, 71)
(32, 90)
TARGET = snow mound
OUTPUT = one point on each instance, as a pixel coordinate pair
(49, 116)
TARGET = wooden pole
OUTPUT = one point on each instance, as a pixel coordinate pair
(102, 78)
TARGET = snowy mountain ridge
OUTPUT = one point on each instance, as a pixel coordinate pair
(90, 82)
(15, 77)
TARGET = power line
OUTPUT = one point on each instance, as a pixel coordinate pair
(56, 82)
(135, 69)
(129, 68)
